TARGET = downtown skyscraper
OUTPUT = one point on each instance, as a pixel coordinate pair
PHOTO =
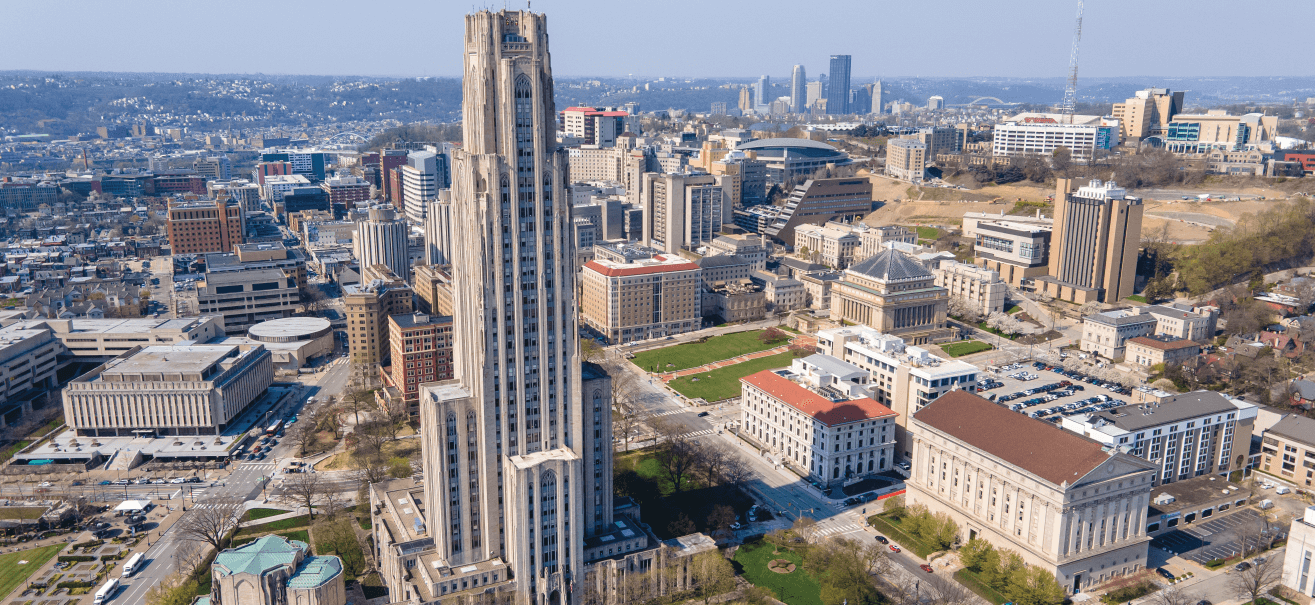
(798, 90)
(511, 476)
(837, 95)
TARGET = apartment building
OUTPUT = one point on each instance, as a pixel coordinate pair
(368, 305)
(894, 294)
(1183, 436)
(381, 239)
(168, 390)
(275, 187)
(1021, 139)
(204, 226)
(28, 361)
(683, 211)
(345, 191)
(906, 159)
(1108, 332)
(645, 297)
(1297, 556)
(1019, 252)
(904, 378)
(781, 293)
(433, 288)
(1148, 113)
(1063, 502)
(424, 173)
(246, 193)
(1156, 349)
(979, 288)
(420, 351)
(815, 416)
(592, 126)
(833, 247)
(593, 163)
(1287, 450)
(1093, 251)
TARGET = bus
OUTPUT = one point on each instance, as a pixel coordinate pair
(133, 564)
(106, 592)
(274, 428)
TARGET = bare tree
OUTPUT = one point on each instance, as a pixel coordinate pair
(356, 400)
(207, 525)
(189, 555)
(678, 457)
(941, 590)
(1173, 595)
(304, 437)
(735, 471)
(711, 460)
(1252, 582)
(305, 490)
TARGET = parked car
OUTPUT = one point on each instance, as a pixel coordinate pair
(1243, 566)
(1164, 573)
(883, 540)
(925, 567)
(894, 548)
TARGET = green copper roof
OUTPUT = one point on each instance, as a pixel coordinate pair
(202, 600)
(259, 556)
(315, 571)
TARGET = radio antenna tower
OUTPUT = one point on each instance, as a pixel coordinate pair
(1071, 90)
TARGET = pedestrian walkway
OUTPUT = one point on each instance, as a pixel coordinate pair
(258, 465)
(838, 529)
(666, 413)
(803, 340)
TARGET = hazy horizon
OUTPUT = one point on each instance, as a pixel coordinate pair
(733, 39)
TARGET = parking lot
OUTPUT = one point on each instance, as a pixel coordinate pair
(1213, 539)
(1054, 394)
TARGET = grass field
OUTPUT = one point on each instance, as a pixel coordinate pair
(1013, 309)
(896, 533)
(261, 513)
(794, 588)
(1137, 298)
(975, 584)
(279, 525)
(21, 512)
(12, 574)
(966, 347)
(695, 354)
(928, 232)
(724, 383)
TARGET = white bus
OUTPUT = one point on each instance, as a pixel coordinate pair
(133, 564)
(106, 592)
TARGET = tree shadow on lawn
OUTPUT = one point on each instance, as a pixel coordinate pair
(661, 512)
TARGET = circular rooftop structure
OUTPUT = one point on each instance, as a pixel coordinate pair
(795, 147)
(290, 329)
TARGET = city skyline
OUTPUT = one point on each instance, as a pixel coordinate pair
(988, 42)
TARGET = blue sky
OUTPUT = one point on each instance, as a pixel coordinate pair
(700, 38)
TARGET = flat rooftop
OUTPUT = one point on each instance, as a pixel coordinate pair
(182, 359)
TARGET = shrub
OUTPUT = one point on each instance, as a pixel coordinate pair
(75, 584)
(91, 544)
(1128, 593)
(75, 558)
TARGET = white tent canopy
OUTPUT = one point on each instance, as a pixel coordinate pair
(133, 505)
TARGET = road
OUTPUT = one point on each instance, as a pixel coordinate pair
(243, 484)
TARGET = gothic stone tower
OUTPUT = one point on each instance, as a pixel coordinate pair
(510, 473)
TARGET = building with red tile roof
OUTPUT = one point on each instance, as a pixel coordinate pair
(825, 431)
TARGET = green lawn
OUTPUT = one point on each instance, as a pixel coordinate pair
(22, 512)
(647, 467)
(12, 574)
(928, 232)
(794, 588)
(695, 354)
(966, 347)
(261, 513)
(896, 533)
(296, 534)
(724, 383)
(1013, 309)
(281, 524)
(975, 584)
(1137, 298)
(13, 449)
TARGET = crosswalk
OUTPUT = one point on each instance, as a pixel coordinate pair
(214, 505)
(838, 529)
(666, 413)
(698, 433)
(261, 465)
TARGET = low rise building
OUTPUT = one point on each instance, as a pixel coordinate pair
(977, 288)
(816, 416)
(1287, 450)
(748, 246)
(906, 159)
(1185, 436)
(781, 293)
(739, 300)
(167, 390)
(1018, 251)
(894, 294)
(1107, 333)
(904, 378)
(1297, 557)
(817, 288)
(205, 226)
(647, 296)
(872, 240)
(1156, 349)
(1063, 502)
(242, 298)
(274, 570)
(835, 248)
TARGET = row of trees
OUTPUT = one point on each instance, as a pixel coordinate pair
(1005, 571)
(936, 530)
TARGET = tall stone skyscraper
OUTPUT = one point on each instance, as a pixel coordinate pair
(798, 90)
(511, 476)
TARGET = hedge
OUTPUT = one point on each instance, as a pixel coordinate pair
(75, 558)
(91, 544)
(75, 584)
(115, 557)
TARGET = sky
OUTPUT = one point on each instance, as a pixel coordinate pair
(684, 38)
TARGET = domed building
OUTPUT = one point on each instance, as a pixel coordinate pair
(275, 571)
(893, 294)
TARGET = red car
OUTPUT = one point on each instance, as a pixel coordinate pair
(925, 567)
(894, 548)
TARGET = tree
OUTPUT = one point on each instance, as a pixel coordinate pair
(711, 460)
(677, 457)
(681, 526)
(591, 351)
(720, 520)
(356, 400)
(304, 436)
(1251, 582)
(735, 471)
(305, 490)
(173, 590)
(1031, 585)
(1061, 160)
(207, 525)
(772, 336)
(895, 506)
(313, 300)
(712, 574)
(1172, 595)
(964, 310)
